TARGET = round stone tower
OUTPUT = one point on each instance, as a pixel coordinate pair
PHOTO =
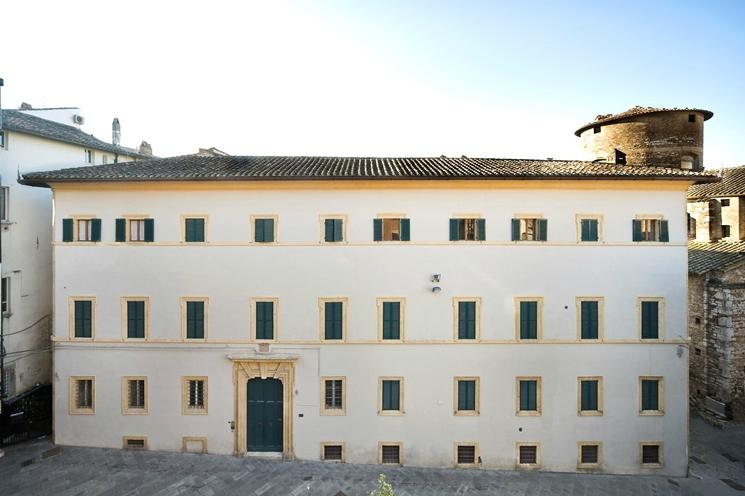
(647, 136)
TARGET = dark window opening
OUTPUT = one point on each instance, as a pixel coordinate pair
(332, 452)
(590, 453)
(390, 454)
(726, 231)
(528, 455)
(466, 454)
(725, 202)
(691, 117)
(596, 129)
(698, 351)
(650, 454)
(620, 157)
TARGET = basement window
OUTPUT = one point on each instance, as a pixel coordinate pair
(135, 443)
(527, 455)
(333, 453)
(465, 454)
(390, 454)
(589, 455)
(652, 455)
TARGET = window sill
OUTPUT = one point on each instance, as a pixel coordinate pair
(466, 413)
(82, 412)
(391, 413)
(590, 413)
(333, 412)
(652, 413)
(528, 413)
(134, 412)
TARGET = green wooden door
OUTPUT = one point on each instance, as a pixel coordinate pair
(264, 415)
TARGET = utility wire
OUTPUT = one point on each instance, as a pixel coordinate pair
(26, 328)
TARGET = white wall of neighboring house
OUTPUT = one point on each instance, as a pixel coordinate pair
(298, 269)
(27, 254)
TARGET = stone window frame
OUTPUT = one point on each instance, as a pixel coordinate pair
(539, 318)
(185, 440)
(326, 411)
(528, 466)
(252, 229)
(595, 465)
(183, 300)
(402, 317)
(126, 409)
(601, 318)
(476, 400)
(578, 218)
(476, 455)
(124, 317)
(322, 318)
(73, 408)
(253, 314)
(400, 452)
(538, 396)
(466, 299)
(127, 439)
(660, 396)
(182, 236)
(590, 413)
(391, 413)
(185, 410)
(71, 316)
(661, 460)
(660, 317)
(322, 218)
(341, 444)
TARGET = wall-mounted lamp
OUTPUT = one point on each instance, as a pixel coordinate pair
(436, 277)
(436, 289)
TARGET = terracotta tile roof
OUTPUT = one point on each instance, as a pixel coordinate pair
(249, 168)
(732, 184)
(636, 111)
(20, 122)
(703, 257)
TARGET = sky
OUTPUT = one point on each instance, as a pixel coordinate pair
(379, 78)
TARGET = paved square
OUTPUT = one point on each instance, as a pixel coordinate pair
(40, 468)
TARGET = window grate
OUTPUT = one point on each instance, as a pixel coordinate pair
(391, 453)
(332, 452)
(528, 455)
(589, 453)
(84, 394)
(334, 393)
(196, 394)
(136, 396)
(650, 454)
(466, 454)
(135, 444)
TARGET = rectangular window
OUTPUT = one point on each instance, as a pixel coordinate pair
(650, 230)
(650, 318)
(528, 396)
(466, 454)
(590, 396)
(89, 156)
(691, 117)
(82, 395)
(5, 295)
(264, 319)
(105, 159)
(651, 400)
(333, 230)
(467, 229)
(529, 318)
(529, 229)
(264, 230)
(194, 229)
(528, 455)
(332, 319)
(4, 202)
(589, 231)
(651, 455)
(466, 396)
(135, 395)
(136, 318)
(596, 129)
(725, 202)
(589, 317)
(194, 396)
(726, 231)
(195, 319)
(138, 443)
(332, 452)
(85, 227)
(2, 139)
(134, 230)
(83, 318)
(391, 229)
(390, 453)
(391, 319)
(333, 396)
(137, 230)
(391, 393)
(9, 381)
(467, 318)
(589, 455)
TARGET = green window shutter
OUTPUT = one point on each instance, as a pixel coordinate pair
(95, 229)
(405, 229)
(636, 226)
(481, 229)
(121, 230)
(377, 229)
(589, 313)
(589, 396)
(454, 229)
(589, 230)
(466, 320)
(328, 230)
(528, 320)
(391, 395)
(515, 229)
(391, 320)
(650, 320)
(466, 395)
(150, 230)
(67, 229)
(594, 235)
(195, 319)
(83, 319)
(264, 320)
(194, 231)
(333, 313)
(338, 229)
(269, 230)
(135, 319)
(528, 400)
(259, 230)
(542, 229)
(664, 232)
(650, 395)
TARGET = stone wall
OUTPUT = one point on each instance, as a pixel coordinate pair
(697, 334)
(732, 215)
(660, 139)
(708, 217)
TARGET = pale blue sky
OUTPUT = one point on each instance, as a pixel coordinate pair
(500, 79)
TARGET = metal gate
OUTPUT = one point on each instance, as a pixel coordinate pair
(26, 416)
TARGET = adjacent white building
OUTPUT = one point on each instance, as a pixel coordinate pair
(426, 312)
(34, 140)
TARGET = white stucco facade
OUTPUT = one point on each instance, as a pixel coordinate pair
(298, 269)
(26, 249)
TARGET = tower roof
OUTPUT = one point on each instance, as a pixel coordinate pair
(635, 112)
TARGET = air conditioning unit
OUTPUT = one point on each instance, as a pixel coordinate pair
(78, 119)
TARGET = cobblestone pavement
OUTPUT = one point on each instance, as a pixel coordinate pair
(39, 468)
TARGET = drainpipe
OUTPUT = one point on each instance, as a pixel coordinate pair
(2, 327)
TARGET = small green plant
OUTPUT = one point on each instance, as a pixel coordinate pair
(384, 488)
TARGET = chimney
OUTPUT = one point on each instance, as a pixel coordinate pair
(116, 132)
(25, 106)
(145, 148)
